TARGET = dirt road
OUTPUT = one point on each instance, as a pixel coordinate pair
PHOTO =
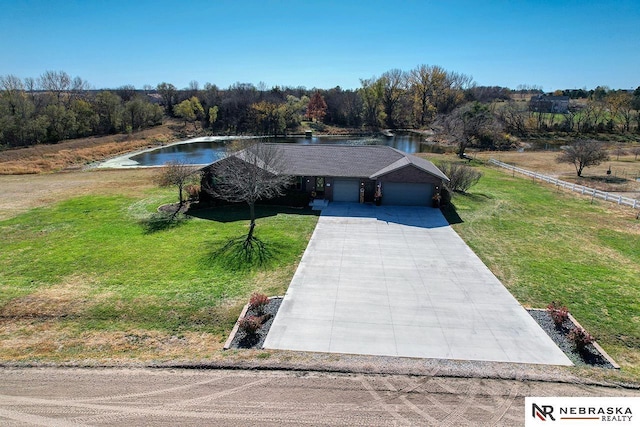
(75, 397)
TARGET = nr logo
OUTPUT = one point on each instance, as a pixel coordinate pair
(542, 412)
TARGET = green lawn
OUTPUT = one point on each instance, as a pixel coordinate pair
(98, 265)
(546, 245)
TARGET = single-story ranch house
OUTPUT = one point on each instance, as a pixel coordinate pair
(355, 173)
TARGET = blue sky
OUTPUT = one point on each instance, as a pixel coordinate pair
(323, 44)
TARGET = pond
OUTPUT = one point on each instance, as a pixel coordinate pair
(201, 151)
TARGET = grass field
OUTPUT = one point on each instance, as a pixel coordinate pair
(85, 274)
(546, 245)
(95, 277)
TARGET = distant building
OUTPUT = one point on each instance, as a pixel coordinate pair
(549, 104)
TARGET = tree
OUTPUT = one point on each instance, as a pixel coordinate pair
(168, 93)
(56, 82)
(126, 92)
(246, 176)
(371, 93)
(190, 110)
(421, 85)
(177, 174)
(213, 115)
(268, 118)
(317, 108)
(582, 154)
(109, 108)
(513, 118)
(140, 113)
(472, 124)
(620, 104)
(86, 119)
(294, 109)
(394, 88)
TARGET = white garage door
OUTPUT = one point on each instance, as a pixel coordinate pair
(346, 190)
(407, 194)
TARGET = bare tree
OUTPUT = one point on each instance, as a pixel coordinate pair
(619, 150)
(178, 174)
(56, 82)
(513, 117)
(394, 84)
(247, 176)
(472, 124)
(583, 153)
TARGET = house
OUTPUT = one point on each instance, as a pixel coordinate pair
(350, 173)
(549, 104)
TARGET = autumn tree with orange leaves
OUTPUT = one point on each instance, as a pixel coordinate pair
(317, 108)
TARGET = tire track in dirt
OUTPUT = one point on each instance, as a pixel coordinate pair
(267, 398)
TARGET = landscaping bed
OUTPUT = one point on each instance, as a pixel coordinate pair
(240, 339)
(592, 355)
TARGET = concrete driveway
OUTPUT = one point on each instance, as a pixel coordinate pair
(398, 281)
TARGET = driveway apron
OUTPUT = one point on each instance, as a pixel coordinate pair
(399, 281)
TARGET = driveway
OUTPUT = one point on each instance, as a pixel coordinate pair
(398, 281)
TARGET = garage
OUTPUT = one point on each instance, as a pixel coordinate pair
(346, 190)
(407, 194)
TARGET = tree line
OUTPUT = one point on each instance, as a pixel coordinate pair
(601, 110)
(56, 106)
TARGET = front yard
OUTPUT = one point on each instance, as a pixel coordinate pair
(93, 277)
(89, 277)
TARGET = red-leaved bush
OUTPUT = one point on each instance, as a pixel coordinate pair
(580, 338)
(558, 312)
(259, 302)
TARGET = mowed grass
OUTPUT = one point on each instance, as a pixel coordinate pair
(98, 277)
(547, 245)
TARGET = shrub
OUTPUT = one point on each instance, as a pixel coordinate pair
(259, 302)
(580, 338)
(558, 313)
(461, 177)
(250, 325)
(193, 191)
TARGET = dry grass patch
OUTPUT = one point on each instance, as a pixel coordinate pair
(19, 193)
(70, 298)
(30, 340)
(77, 152)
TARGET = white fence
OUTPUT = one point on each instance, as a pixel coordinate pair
(608, 197)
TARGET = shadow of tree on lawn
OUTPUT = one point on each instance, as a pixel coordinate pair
(240, 253)
(163, 220)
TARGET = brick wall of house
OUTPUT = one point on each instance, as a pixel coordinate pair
(410, 174)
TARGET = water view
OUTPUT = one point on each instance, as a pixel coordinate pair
(204, 152)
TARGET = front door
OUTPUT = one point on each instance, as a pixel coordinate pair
(369, 191)
(320, 186)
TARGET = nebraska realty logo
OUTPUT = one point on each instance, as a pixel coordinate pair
(582, 411)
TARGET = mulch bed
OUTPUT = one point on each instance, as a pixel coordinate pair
(591, 356)
(174, 208)
(242, 340)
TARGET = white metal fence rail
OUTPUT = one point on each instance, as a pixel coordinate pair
(608, 197)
